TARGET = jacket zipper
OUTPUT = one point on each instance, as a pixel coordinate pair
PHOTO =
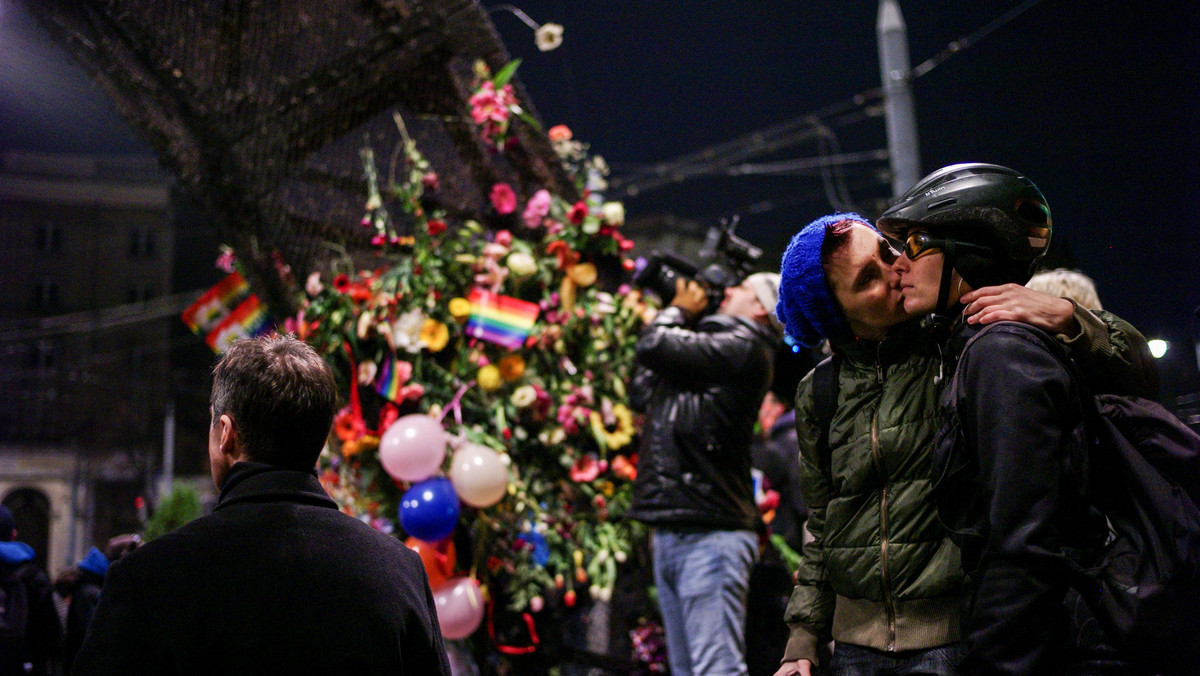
(883, 523)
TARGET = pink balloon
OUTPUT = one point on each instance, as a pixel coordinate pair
(479, 475)
(459, 607)
(413, 448)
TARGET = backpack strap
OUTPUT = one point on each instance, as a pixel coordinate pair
(825, 395)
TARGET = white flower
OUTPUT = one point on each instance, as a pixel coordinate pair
(549, 36)
(521, 264)
(523, 396)
(366, 372)
(374, 202)
(406, 331)
(614, 213)
(313, 285)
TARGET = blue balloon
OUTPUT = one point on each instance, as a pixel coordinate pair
(429, 509)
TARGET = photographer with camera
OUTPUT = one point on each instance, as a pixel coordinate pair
(699, 378)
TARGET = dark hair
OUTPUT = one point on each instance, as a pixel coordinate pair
(837, 236)
(282, 398)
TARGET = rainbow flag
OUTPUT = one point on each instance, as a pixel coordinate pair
(391, 378)
(247, 320)
(503, 320)
(215, 305)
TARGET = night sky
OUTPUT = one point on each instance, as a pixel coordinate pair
(1098, 102)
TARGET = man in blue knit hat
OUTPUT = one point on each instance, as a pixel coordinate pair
(29, 626)
(880, 578)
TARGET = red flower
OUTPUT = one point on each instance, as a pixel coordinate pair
(341, 282)
(577, 213)
(585, 469)
(504, 200)
(436, 226)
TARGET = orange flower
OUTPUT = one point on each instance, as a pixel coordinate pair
(434, 334)
(348, 426)
(512, 367)
(623, 468)
(559, 132)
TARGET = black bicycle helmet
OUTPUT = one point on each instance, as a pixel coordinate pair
(981, 203)
(996, 209)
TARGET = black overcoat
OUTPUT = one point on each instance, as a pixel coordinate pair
(275, 581)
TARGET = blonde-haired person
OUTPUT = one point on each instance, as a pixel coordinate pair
(1069, 284)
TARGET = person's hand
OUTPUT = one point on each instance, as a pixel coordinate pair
(1012, 302)
(801, 667)
(689, 296)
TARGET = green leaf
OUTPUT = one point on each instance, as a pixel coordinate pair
(530, 120)
(506, 73)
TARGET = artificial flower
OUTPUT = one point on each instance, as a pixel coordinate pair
(489, 378)
(460, 309)
(512, 367)
(524, 396)
(521, 264)
(548, 36)
(435, 335)
(537, 208)
(503, 199)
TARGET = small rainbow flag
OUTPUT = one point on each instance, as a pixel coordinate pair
(247, 320)
(391, 378)
(503, 320)
(215, 305)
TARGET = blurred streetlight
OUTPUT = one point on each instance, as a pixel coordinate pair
(1157, 347)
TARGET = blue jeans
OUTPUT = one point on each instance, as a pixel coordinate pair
(702, 579)
(852, 660)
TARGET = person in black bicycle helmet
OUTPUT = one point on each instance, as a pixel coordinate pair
(991, 223)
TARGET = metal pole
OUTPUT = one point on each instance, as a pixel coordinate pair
(899, 112)
(168, 471)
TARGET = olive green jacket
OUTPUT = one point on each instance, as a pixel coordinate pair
(880, 571)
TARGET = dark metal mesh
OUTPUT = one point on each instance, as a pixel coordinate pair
(260, 108)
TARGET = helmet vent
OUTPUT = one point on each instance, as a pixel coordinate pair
(941, 204)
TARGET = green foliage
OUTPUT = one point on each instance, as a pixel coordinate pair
(176, 508)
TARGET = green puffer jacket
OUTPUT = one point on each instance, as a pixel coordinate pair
(880, 571)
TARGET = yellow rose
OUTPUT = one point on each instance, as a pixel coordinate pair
(460, 309)
(489, 378)
(435, 335)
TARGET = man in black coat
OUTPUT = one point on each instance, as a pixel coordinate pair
(700, 386)
(276, 580)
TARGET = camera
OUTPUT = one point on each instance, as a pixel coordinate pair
(732, 258)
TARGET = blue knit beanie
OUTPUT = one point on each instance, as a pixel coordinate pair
(807, 306)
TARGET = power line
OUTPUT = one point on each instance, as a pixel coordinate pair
(708, 161)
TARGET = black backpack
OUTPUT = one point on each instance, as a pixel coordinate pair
(1143, 473)
(14, 607)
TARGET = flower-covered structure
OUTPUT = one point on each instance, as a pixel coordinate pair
(488, 355)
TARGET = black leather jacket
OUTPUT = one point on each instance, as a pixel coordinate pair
(701, 389)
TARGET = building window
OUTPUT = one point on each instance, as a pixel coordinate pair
(141, 243)
(49, 237)
(45, 294)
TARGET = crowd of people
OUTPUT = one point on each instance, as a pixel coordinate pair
(920, 471)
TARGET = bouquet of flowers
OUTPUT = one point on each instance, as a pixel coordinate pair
(484, 369)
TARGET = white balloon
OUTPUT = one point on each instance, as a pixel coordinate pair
(413, 448)
(479, 475)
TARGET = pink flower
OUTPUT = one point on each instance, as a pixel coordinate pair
(503, 238)
(430, 181)
(226, 260)
(559, 132)
(492, 104)
(504, 200)
(585, 469)
(537, 208)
